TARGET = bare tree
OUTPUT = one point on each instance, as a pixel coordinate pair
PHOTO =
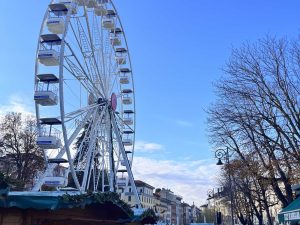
(252, 195)
(257, 115)
(22, 156)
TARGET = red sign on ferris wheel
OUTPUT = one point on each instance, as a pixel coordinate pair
(113, 100)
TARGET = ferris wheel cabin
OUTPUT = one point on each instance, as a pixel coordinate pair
(100, 10)
(46, 93)
(124, 79)
(49, 139)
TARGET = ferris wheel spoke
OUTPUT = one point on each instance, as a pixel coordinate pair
(74, 114)
(113, 67)
(94, 118)
(80, 72)
(86, 46)
(81, 41)
(114, 85)
(108, 71)
(101, 56)
(93, 123)
(85, 52)
(111, 83)
(98, 72)
(80, 126)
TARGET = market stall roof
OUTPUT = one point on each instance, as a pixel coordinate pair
(56, 200)
(89, 206)
(291, 213)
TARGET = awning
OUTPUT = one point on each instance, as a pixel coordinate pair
(291, 213)
(64, 205)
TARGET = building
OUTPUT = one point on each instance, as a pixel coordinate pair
(161, 209)
(219, 201)
(168, 206)
(171, 203)
(179, 210)
(187, 213)
(145, 192)
(167, 198)
(195, 214)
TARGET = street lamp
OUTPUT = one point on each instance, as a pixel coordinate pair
(222, 154)
(210, 193)
(220, 163)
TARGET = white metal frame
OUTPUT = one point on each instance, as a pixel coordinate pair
(89, 58)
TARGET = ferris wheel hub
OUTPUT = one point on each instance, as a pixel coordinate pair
(101, 101)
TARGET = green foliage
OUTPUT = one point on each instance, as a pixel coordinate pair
(48, 188)
(15, 184)
(7, 182)
(4, 185)
(80, 174)
(208, 214)
(149, 217)
(157, 190)
(107, 197)
(3, 181)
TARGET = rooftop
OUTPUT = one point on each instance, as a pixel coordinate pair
(140, 183)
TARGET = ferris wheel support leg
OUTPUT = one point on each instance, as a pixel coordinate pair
(122, 150)
(88, 168)
(102, 168)
(92, 144)
(110, 149)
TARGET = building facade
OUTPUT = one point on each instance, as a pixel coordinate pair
(187, 213)
(145, 192)
(166, 204)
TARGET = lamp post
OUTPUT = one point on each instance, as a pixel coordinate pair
(222, 154)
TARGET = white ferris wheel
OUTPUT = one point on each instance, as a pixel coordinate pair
(84, 95)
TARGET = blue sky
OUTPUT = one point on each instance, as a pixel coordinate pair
(178, 49)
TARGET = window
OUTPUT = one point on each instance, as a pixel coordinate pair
(129, 198)
(129, 189)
